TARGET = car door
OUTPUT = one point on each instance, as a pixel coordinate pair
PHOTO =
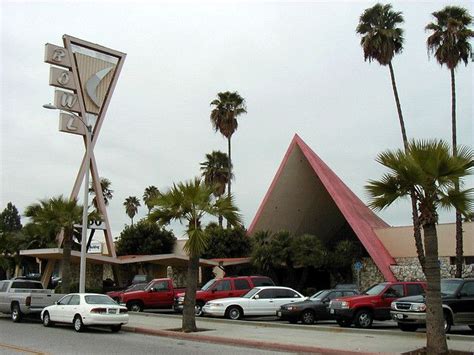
(392, 293)
(3, 296)
(282, 296)
(261, 303)
(56, 313)
(162, 294)
(71, 309)
(221, 289)
(241, 287)
(321, 308)
(463, 305)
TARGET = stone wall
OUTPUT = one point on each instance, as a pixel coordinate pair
(369, 274)
(409, 269)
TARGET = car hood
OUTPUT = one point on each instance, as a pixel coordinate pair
(355, 298)
(412, 299)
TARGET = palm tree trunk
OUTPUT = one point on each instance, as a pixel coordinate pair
(459, 236)
(66, 263)
(189, 316)
(230, 172)
(435, 335)
(416, 224)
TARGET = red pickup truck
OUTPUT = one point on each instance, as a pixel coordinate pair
(159, 293)
(225, 287)
(372, 304)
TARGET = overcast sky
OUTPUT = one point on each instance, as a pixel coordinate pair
(299, 65)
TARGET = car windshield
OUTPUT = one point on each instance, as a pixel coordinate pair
(208, 285)
(375, 289)
(449, 287)
(99, 299)
(136, 287)
(252, 292)
(318, 295)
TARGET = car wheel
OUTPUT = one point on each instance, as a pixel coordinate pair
(363, 319)
(16, 313)
(447, 322)
(234, 312)
(116, 328)
(307, 317)
(344, 322)
(408, 327)
(198, 309)
(135, 306)
(78, 325)
(47, 320)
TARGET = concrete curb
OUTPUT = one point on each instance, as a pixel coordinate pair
(241, 342)
(265, 324)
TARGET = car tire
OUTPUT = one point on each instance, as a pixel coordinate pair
(408, 327)
(47, 320)
(363, 319)
(116, 328)
(198, 308)
(78, 324)
(448, 322)
(307, 317)
(16, 313)
(344, 322)
(234, 312)
(135, 306)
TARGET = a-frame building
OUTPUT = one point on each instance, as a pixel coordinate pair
(306, 196)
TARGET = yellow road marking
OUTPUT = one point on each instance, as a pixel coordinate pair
(17, 348)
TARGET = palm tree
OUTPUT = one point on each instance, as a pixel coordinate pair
(151, 192)
(381, 40)
(428, 169)
(215, 171)
(107, 193)
(131, 206)
(189, 202)
(53, 215)
(227, 107)
(449, 43)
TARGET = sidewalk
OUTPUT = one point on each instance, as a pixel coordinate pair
(290, 338)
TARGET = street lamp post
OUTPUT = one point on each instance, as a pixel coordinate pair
(82, 272)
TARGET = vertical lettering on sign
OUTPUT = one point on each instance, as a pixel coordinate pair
(68, 100)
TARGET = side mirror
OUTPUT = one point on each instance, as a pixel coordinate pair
(56, 303)
(256, 297)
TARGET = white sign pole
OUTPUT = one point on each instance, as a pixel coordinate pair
(82, 272)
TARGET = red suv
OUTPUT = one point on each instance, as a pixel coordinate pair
(222, 288)
(372, 304)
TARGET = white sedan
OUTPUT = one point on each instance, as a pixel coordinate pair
(83, 309)
(259, 301)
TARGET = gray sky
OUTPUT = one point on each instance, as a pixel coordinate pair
(299, 66)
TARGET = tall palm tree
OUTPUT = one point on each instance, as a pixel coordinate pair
(227, 108)
(428, 168)
(107, 192)
(381, 40)
(216, 173)
(449, 43)
(56, 214)
(151, 192)
(189, 202)
(131, 206)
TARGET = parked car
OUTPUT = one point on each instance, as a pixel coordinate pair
(314, 308)
(115, 295)
(21, 298)
(84, 309)
(458, 306)
(159, 293)
(259, 301)
(223, 287)
(372, 304)
(138, 279)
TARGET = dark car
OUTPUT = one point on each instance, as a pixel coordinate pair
(314, 308)
(115, 295)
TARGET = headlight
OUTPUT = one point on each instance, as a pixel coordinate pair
(291, 308)
(392, 306)
(344, 305)
(216, 304)
(418, 307)
(181, 299)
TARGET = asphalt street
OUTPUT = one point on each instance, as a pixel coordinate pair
(30, 337)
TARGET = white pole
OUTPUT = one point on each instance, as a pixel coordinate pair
(82, 272)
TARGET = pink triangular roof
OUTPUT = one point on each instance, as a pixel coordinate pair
(361, 219)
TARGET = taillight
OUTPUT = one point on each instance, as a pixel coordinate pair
(123, 310)
(28, 301)
(99, 310)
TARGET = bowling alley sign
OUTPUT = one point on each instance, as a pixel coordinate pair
(84, 75)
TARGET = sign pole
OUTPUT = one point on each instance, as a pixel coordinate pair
(82, 272)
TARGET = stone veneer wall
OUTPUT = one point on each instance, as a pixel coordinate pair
(94, 275)
(369, 274)
(409, 269)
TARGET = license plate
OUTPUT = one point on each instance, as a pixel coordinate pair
(399, 316)
(279, 313)
(112, 311)
(331, 311)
